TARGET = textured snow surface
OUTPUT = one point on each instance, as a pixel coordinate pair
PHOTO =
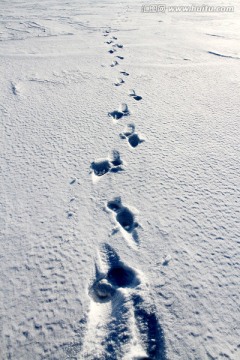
(120, 183)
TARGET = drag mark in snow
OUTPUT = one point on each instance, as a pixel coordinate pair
(133, 138)
(224, 56)
(150, 330)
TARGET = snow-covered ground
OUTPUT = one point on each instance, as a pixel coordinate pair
(119, 224)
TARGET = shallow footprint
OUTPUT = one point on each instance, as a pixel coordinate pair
(132, 93)
(120, 46)
(124, 73)
(119, 82)
(114, 63)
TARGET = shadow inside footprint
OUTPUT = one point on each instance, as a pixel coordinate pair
(115, 114)
(115, 204)
(126, 219)
(137, 97)
(132, 137)
(101, 167)
(133, 94)
(114, 63)
(121, 276)
(134, 140)
(119, 81)
(124, 73)
(150, 330)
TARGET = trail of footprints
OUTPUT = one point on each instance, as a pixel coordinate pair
(121, 325)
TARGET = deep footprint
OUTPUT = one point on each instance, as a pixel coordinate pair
(126, 219)
(119, 275)
(124, 216)
(120, 46)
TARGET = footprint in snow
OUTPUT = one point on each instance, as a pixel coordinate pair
(119, 82)
(124, 73)
(118, 46)
(121, 325)
(118, 275)
(125, 219)
(114, 63)
(122, 111)
(133, 138)
(106, 32)
(101, 167)
(133, 94)
(120, 57)
(111, 51)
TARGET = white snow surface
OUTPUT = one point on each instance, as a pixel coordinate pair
(161, 225)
